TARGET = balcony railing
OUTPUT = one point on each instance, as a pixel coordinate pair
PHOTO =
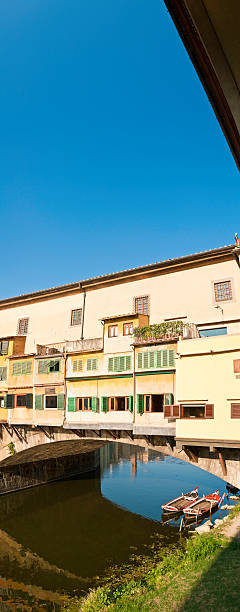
(90, 344)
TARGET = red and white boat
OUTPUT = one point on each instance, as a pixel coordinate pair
(179, 503)
(202, 505)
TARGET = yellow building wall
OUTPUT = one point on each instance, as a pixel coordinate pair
(205, 375)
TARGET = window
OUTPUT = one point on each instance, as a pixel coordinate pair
(217, 331)
(76, 316)
(119, 364)
(3, 373)
(1, 402)
(51, 401)
(21, 401)
(141, 304)
(91, 364)
(197, 411)
(45, 366)
(223, 291)
(112, 331)
(128, 329)
(77, 365)
(22, 327)
(4, 344)
(21, 367)
(85, 403)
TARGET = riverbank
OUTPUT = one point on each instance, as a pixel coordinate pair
(202, 573)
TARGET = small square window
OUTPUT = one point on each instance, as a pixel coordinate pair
(51, 401)
(128, 329)
(141, 305)
(112, 331)
(22, 329)
(223, 291)
(76, 316)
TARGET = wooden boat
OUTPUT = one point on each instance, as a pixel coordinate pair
(202, 505)
(179, 503)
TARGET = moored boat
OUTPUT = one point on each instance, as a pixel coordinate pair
(202, 505)
(178, 504)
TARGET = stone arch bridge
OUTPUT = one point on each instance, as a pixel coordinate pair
(52, 453)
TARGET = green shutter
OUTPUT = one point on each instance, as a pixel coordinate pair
(110, 364)
(43, 366)
(140, 404)
(38, 402)
(104, 404)
(151, 359)
(171, 357)
(5, 401)
(29, 400)
(128, 363)
(3, 373)
(140, 360)
(116, 364)
(168, 399)
(10, 401)
(94, 404)
(72, 404)
(94, 364)
(130, 406)
(60, 401)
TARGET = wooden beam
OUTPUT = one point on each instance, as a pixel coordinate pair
(222, 463)
(191, 454)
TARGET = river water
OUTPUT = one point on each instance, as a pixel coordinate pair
(55, 539)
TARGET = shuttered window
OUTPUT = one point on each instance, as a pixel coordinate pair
(21, 367)
(104, 404)
(77, 365)
(193, 411)
(10, 401)
(22, 329)
(91, 364)
(76, 316)
(141, 304)
(140, 404)
(235, 411)
(3, 373)
(172, 411)
(120, 363)
(4, 344)
(38, 402)
(45, 366)
(72, 404)
(156, 359)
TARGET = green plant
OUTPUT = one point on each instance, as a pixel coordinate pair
(11, 448)
(159, 330)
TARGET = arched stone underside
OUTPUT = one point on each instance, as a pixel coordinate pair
(224, 464)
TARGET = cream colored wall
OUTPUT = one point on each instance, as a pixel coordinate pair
(184, 293)
(97, 388)
(208, 377)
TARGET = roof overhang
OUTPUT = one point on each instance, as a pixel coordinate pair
(209, 30)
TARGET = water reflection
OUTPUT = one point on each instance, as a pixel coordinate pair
(56, 538)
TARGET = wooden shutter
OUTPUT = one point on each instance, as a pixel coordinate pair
(236, 366)
(140, 404)
(209, 411)
(94, 404)
(104, 404)
(167, 411)
(130, 405)
(171, 358)
(60, 401)
(235, 411)
(168, 399)
(140, 360)
(26, 367)
(5, 401)
(94, 364)
(38, 402)
(176, 411)
(145, 360)
(10, 401)
(72, 404)
(151, 358)
(29, 400)
(43, 366)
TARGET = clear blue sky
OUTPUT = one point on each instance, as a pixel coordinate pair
(111, 155)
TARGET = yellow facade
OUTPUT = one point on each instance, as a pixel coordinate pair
(205, 376)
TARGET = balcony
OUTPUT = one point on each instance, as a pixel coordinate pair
(80, 346)
(168, 331)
